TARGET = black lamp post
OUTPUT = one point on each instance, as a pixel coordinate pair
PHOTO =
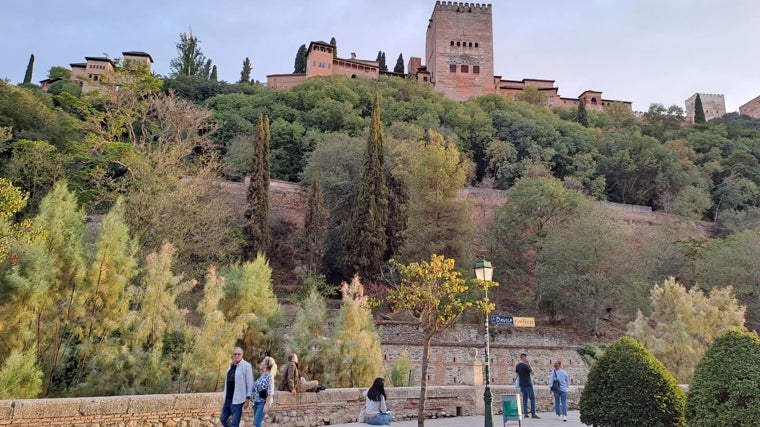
(484, 271)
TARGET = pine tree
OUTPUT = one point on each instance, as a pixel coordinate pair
(256, 228)
(355, 358)
(213, 75)
(699, 111)
(399, 68)
(245, 75)
(364, 243)
(334, 44)
(581, 116)
(300, 63)
(191, 60)
(29, 70)
(310, 333)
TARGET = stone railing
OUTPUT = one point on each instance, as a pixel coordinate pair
(329, 407)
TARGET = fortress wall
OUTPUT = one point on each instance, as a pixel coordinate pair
(329, 407)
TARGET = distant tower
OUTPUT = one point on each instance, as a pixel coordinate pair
(713, 104)
(319, 59)
(459, 49)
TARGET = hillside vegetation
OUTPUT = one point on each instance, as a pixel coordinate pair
(154, 154)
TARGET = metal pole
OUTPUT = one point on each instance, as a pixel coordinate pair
(487, 398)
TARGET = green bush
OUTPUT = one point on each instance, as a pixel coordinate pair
(592, 351)
(726, 386)
(400, 370)
(627, 386)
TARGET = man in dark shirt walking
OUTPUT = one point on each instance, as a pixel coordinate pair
(524, 371)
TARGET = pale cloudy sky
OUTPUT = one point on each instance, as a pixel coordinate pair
(644, 51)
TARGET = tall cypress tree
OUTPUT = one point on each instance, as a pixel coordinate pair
(213, 75)
(315, 225)
(381, 60)
(699, 111)
(245, 74)
(29, 70)
(256, 228)
(399, 68)
(581, 116)
(334, 44)
(365, 240)
(300, 64)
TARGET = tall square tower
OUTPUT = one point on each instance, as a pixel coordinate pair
(459, 49)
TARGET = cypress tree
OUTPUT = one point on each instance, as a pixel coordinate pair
(699, 111)
(300, 64)
(381, 60)
(399, 68)
(334, 44)
(315, 226)
(245, 75)
(29, 70)
(213, 73)
(581, 116)
(364, 242)
(256, 228)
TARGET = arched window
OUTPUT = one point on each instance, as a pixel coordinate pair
(452, 42)
(458, 44)
(476, 44)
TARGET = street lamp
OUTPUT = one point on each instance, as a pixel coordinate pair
(484, 272)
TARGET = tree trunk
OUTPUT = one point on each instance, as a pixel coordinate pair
(423, 381)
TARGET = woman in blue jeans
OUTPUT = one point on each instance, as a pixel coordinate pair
(377, 413)
(560, 394)
(263, 390)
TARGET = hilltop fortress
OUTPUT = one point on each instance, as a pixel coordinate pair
(458, 61)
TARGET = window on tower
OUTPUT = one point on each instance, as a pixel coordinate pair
(452, 68)
(465, 68)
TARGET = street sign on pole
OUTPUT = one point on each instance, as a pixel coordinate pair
(517, 322)
(502, 320)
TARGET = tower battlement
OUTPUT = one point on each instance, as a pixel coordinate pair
(463, 7)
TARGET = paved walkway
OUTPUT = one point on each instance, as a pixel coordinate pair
(548, 419)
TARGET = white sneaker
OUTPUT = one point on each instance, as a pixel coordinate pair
(564, 418)
(559, 417)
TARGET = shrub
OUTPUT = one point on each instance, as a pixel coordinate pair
(400, 370)
(592, 351)
(628, 386)
(726, 386)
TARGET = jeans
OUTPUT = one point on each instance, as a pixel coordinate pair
(258, 413)
(560, 402)
(230, 410)
(378, 420)
(527, 393)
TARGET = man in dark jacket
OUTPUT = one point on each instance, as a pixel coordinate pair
(292, 380)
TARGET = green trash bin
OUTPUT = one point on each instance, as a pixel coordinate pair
(511, 408)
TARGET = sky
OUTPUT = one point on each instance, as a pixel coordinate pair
(643, 51)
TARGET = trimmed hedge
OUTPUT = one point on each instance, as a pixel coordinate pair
(628, 386)
(726, 386)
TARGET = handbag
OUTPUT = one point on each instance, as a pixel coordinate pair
(555, 383)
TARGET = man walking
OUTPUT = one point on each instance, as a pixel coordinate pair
(292, 380)
(237, 389)
(524, 371)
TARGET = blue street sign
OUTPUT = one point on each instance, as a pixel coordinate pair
(502, 320)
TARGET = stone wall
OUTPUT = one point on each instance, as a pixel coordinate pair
(330, 407)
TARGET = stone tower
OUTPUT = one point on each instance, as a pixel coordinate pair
(459, 49)
(713, 104)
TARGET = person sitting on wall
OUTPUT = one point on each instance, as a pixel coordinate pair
(292, 380)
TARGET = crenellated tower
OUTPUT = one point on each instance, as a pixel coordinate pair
(459, 49)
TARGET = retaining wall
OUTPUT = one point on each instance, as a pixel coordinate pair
(329, 407)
